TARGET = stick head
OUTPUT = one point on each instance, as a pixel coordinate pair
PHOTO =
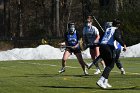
(82, 45)
(43, 41)
(62, 48)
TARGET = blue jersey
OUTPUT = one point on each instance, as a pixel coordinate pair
(117, 45)
(72, 39)
(108, 37)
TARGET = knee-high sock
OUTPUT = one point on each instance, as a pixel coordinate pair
(106, 72)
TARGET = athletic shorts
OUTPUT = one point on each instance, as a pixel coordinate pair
(107, 54)
(92, 46)
(77, 50)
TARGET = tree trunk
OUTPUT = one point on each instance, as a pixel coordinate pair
(9, 19)
(121, 4)
(57, 18)
(19, 23)
(53, 17)
(116, 6)
(86, 7)
(4, 19)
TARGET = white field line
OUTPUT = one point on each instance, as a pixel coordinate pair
(75, 67)
(137, 63)
(8, 67)
(98, 91)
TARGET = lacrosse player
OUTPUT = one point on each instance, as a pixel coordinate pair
(71, 39)
(91, 36)
(118, 48)
(117, 51)
(117, 61)
(107, 51)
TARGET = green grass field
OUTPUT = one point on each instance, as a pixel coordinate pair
(42, 77)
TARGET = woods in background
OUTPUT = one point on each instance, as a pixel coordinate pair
(34, 19)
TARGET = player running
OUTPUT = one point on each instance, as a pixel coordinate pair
(71, 39)
(107, 52)
(117, 51)
(117, 61)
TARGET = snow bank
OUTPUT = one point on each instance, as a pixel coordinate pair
(132, 51)
(44, 52)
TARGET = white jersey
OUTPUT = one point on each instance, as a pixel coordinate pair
(90, 34)
(108, 37)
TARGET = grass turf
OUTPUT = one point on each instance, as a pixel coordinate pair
(41, 76)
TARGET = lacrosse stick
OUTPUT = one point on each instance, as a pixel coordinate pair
(98, 24)
(43, 41)
(62, 48)
(82, 45)
(96, 61)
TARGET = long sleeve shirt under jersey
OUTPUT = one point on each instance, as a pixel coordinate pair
(118, 37)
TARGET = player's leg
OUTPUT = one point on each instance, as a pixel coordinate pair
(97, 54)
(96, 61)
(81, 62)
(65, 57)
(103, 64)
(118, 63)
(94, 52)
(106, 54)
(106, 73)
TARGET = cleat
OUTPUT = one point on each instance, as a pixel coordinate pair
(97, 72)
(85, 73)
(62, 70)
(101, 84)
(107, 85)
(123, 72)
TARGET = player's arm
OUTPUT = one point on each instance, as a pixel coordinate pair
(118, 37)
(97, 35)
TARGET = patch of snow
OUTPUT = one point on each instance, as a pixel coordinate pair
(44, 52)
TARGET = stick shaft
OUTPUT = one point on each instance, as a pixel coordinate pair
(97, 60)
(98, 24)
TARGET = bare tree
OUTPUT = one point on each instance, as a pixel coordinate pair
(19, 20)
(57, 18)
(115, 6)
(4, 18)
(65, 15)
(53, 17)
(86, 7)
